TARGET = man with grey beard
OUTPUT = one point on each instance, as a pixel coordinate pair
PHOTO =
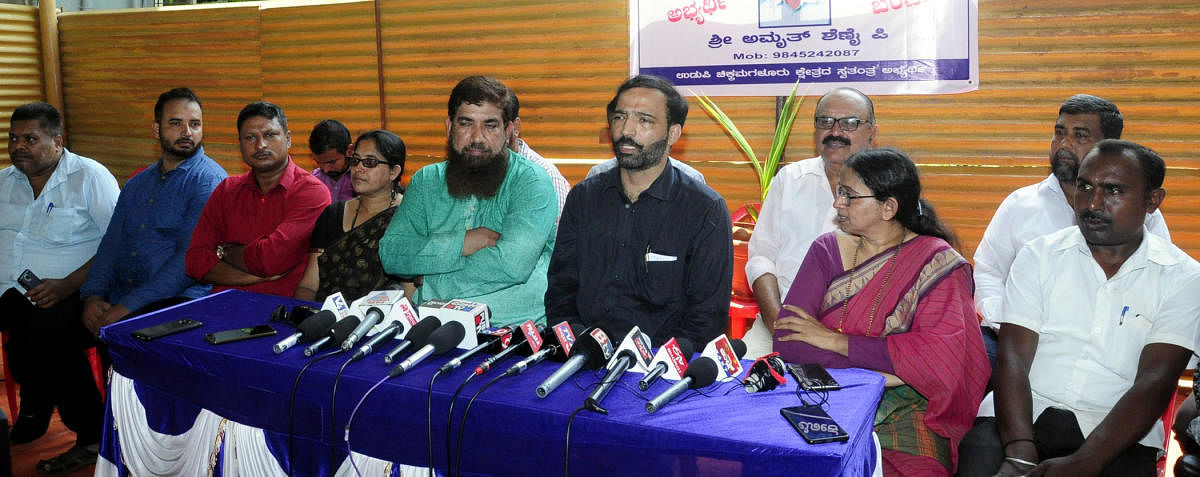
(1039, 209)
(644, 244)
(480, 225)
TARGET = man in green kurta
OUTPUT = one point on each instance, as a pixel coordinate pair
(479, 225)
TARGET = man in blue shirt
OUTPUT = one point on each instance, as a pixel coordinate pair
(139, 266)
(643, 244)
(54, 207)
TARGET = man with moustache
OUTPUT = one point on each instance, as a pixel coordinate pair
(479, 225)
(253, 233)
(799, 206)
(643, 245)
(1097, 322)
(139, 266)
(1044, 207)
(330, 144)
(54, 208)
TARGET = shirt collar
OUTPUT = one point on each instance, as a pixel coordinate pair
(285, 181)
(185, 165)
(1152, 249)
(67, 165)
(663, 188)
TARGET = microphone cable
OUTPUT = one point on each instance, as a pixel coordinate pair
(429, 421)
(462, 424)
(350, 421)
(450, 420)
(292, 409)
(333, 412)
(567, 453)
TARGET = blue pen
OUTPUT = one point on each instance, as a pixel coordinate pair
(1123, 311)
(49, 208)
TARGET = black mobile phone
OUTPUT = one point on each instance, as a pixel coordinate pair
(814, 424)
(239, 334)
(28, 279)
(164, 329)
(813, 377)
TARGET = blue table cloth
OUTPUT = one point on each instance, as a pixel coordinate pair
(510, 431)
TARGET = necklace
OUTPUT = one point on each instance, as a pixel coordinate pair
(891, 266)
(354, 221)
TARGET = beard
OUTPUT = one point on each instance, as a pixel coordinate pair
(645, 157)
(335, 175)
(466, 176)
(1065, 166)
(182, 152)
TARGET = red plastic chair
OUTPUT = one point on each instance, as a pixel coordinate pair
(742, 307)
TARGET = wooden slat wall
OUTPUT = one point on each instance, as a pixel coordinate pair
(20, 64)
(564, 59)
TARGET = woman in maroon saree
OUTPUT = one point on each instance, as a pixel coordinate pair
(888, 292)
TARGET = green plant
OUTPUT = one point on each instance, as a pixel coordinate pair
(765, 169)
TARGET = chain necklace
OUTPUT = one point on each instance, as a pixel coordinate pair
(354, 221)
(891, 265)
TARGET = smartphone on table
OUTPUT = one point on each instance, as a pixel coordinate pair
(165, 329)
(239, 334)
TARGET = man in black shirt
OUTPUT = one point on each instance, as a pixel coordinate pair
(643, 244)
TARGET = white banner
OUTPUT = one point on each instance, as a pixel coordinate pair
(762, 47)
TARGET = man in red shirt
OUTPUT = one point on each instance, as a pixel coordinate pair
(253, 233)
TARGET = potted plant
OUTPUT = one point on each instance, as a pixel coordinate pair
(743, 224)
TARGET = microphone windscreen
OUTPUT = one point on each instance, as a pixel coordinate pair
(686, 347)
(419, 334)
(703, 372)
(739, 347)
(586, 344)
(343, 328)
(316, 325)
(447, 337)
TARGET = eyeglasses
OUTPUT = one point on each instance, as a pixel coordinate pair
(844, 193)
(368, 163)
(848, 124)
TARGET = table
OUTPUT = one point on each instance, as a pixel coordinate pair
(179, 401)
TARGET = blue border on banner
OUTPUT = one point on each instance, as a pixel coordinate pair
(832, 72)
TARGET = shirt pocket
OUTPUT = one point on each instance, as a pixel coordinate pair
(63, 225)
(1122, 346)
(662, 276)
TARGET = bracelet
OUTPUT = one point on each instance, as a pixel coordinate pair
(1020, 461)
(1006, 444)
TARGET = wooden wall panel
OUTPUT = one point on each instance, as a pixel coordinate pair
(20, 64)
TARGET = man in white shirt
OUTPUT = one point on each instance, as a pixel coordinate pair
(799, 206)
(517, 145)
(1044, 207)
(54, 208)
(1097, 323)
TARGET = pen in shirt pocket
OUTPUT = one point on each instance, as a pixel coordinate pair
(49, 208)
(1123, 312)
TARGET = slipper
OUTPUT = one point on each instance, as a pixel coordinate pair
(73, 459)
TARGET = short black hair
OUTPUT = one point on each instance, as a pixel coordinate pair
(262, 108)
(514, 107)
(1154, 169)
(328, 135)
(1111, 122)
(478, 90)
(677, 107)
(855, 92)
(182, 92)
(46, 114)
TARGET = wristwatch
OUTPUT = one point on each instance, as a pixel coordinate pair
(220, 252)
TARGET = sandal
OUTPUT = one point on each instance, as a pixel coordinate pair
(73, 459)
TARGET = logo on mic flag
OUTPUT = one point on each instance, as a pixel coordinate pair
(602, 339)
(531, 335)
(676, 355)
(565, 336)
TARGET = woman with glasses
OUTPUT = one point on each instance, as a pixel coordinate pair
(345, 242)
(888, 292)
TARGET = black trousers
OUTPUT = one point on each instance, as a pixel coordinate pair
(46, 354)
(1056, 434)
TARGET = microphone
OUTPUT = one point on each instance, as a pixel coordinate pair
(417, 336)
(491, 344)
(441, 340)
(338, 333)
(309, 329)
(382, 336)
(634, 349)
(727, 354)
(373, 316)
(592, 349)
(765, 374)
(530, 342)
(700, 373)
(676, 353)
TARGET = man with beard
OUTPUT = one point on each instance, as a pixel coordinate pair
(54, 207)
(253, 233)
(1098, 321)
(139, 266)
(1044, 207)
(330, 144)
(799, 206)
(479, 225)
(643, 245)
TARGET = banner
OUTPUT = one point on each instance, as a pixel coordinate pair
(762, 47)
